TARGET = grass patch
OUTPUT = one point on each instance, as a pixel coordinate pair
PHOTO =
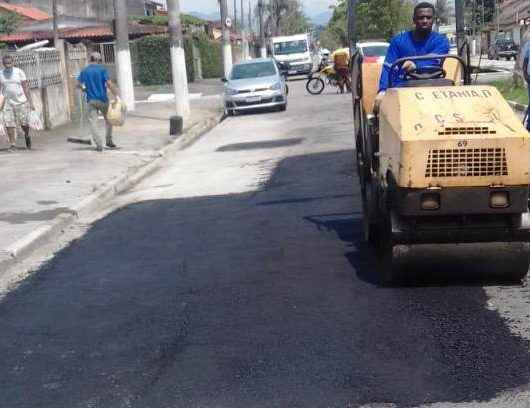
(512, 92)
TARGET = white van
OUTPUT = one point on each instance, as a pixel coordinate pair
(294, 50)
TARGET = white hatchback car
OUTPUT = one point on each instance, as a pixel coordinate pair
(373, 50)
(255, 84)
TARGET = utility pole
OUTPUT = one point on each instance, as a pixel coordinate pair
(178, 60)
(123, 54)
(235, 16)
(244, 32)
(55, 23)
(227, 49)
(497, 13)
(460, 28)
(263, 49)
(352, 29)
(474, 28)
(250, 28)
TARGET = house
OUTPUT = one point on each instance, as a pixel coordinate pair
(154, 8)
(99, 33)
(512, 17)
(102, 10)
(27, 13)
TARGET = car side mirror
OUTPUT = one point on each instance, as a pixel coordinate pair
(224, 80)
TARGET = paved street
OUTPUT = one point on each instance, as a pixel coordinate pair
(236, 277)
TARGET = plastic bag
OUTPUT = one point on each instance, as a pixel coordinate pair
(3, 130)
(34, 121)
(116, 113)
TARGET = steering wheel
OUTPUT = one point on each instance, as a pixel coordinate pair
(426, 72)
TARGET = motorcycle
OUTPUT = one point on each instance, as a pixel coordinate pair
(326, 74)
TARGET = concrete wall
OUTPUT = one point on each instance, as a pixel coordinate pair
(36, 96)
(55, 108)
(100, 9)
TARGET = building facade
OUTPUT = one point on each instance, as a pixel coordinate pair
(102, 10)
(511, 15)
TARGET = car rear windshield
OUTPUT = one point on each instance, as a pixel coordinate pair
(253, 70)
(290, 47)
(375, 50)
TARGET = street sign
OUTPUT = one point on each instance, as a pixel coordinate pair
(228, 22)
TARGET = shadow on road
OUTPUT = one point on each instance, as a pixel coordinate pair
(261, 299)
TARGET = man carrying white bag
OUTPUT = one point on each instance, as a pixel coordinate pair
(94, 80)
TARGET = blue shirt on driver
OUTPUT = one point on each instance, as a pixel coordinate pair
(403, 45)
(94, 77)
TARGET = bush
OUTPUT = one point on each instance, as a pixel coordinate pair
(185, 19)
(512, 91)
(153, 60)
(211, 57)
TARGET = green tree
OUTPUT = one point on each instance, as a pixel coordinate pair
(442, 11)
(285, 17)
(375, 19)
(487, 13)
(9, 22)
(185, 19)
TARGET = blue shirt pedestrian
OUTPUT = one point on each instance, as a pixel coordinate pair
(94, 77)
(404, 45)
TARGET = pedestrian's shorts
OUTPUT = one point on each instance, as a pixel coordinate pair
(16, 115)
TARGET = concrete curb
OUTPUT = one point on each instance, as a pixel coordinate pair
(27, 244)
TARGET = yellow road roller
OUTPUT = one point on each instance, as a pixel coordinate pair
(442, 161)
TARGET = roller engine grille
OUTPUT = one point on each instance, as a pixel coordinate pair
(467, 162)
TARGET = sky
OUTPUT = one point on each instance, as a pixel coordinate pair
(312, 7)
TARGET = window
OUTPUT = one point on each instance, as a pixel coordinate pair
(375, 50)
(253, 70)
(290, 47)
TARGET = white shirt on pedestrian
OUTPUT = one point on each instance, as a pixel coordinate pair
(12, 85)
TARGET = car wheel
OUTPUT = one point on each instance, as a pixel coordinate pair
(283, 107)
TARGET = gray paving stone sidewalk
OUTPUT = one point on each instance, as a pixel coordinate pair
(38, 185)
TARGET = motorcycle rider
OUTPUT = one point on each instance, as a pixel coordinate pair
(341, 58)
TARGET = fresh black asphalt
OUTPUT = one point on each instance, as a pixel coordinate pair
(264, 299)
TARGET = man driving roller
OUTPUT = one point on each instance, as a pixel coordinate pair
(418, 42)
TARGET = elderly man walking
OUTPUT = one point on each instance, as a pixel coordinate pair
(94, 80)
(18, 102)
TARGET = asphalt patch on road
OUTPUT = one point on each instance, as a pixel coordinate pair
(24, 217)
(262, 299)
(266, 144)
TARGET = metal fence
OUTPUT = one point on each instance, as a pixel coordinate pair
(42, 67)
(76, 59)
(107, 52)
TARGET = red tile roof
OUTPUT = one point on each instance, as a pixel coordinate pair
(80, 33)
(25, 11)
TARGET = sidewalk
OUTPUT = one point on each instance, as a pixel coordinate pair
(492, 64)
(43, 189)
